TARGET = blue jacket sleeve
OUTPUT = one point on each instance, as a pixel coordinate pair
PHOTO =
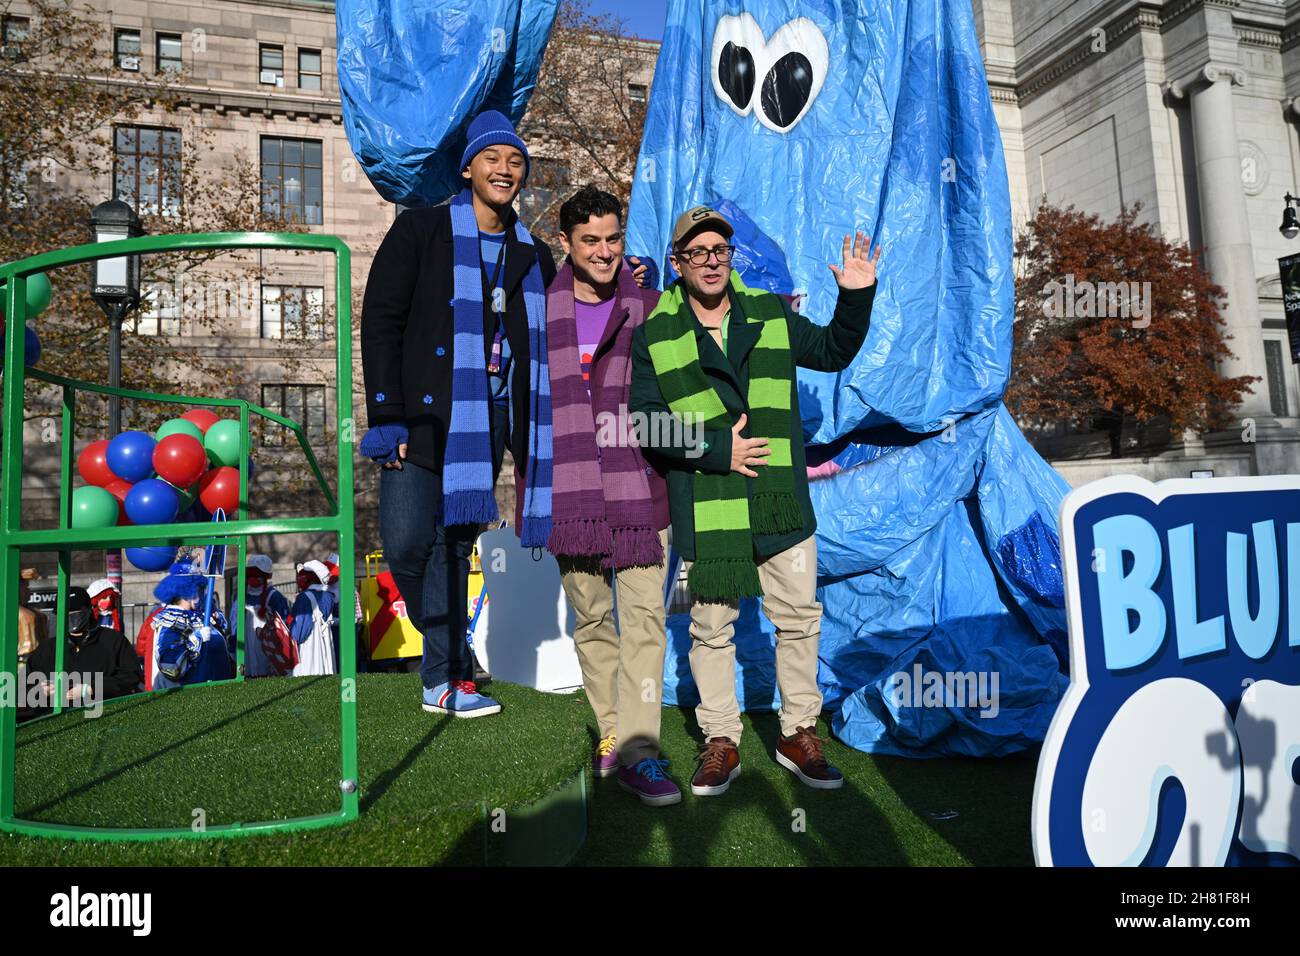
(302, 625)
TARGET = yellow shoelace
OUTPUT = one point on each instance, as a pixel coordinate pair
(607, 745)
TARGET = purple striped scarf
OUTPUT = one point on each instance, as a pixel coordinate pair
(602, 505)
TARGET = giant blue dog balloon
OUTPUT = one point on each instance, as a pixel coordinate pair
(937, 548)
(939, 563)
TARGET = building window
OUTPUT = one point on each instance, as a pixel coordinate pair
(147, 169)
(126, 50)
(271, 65)
(293, 312)
(168, 50)
(159, 314)
(1276, 377)
(309, 69)
(291, 179)
(15, 31)
(636, 92)
(304, 404)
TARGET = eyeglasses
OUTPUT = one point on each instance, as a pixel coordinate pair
(697, 256)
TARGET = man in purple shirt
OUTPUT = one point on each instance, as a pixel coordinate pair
(609, 507)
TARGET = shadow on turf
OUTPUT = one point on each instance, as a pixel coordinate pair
(29, 812)
(376, 790)
(991, 797)
(839, 827)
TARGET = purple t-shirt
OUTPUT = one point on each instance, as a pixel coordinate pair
(592, 317)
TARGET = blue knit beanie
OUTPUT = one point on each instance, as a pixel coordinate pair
(491, 128)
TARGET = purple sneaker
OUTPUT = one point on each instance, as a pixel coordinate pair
(605, 763)
(649, 782)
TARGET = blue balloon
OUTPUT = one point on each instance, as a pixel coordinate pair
(32, 348)
(130, 457)
(151, 559)
(152, 501)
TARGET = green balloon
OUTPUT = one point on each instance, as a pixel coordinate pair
(38, 293)
(178, 426)
(93, 508)
(222, 443)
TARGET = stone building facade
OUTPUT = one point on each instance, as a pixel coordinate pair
(1188, 106)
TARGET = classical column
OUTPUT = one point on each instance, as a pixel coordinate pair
(1225, 225)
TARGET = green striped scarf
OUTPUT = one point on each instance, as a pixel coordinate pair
(725, 510)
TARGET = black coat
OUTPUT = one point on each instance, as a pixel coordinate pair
(407, 318)
(102, 651)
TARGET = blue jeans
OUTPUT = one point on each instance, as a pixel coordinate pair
(430, 563)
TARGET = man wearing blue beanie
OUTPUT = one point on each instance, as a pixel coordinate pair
(454, 295)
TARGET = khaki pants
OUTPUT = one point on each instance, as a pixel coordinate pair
(623, 669)
(789, 582)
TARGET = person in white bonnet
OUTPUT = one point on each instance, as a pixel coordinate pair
(311, 624)
(106, 600)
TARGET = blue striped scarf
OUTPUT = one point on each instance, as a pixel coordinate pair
(467, 464)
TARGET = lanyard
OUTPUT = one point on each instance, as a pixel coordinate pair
(494, 363)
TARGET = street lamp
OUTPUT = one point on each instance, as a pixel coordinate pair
(115, 285)
(1290, 223)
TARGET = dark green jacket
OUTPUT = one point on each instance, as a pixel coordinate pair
(828, 348)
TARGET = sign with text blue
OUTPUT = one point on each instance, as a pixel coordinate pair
(1178, 741)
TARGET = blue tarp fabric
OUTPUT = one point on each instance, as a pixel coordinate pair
(413, 74)
(938, 556)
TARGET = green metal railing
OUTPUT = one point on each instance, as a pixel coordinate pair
(64, 539)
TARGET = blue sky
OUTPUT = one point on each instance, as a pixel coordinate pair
(644, 18)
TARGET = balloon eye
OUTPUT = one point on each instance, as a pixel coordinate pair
(786, 89)
(736, 74)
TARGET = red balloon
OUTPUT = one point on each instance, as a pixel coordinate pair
(119, 488)
(180, 460)
(92, 464)
(219, 488)
(202, 418)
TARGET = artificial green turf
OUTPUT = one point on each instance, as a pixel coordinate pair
(268, 750)
(889, 811)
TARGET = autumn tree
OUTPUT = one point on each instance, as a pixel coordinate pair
(587, 112)
(1115, 322)
(62, 101)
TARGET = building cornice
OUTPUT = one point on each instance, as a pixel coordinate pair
(1114, 25)
(314, 109)
(1256, 24)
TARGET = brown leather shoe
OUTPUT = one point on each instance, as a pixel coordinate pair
(802, 756)
(719, 764)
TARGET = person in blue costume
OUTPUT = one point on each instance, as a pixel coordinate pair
(188, 649)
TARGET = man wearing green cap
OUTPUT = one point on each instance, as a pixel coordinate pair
(721, 357)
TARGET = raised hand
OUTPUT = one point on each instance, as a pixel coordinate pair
(859, 269)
